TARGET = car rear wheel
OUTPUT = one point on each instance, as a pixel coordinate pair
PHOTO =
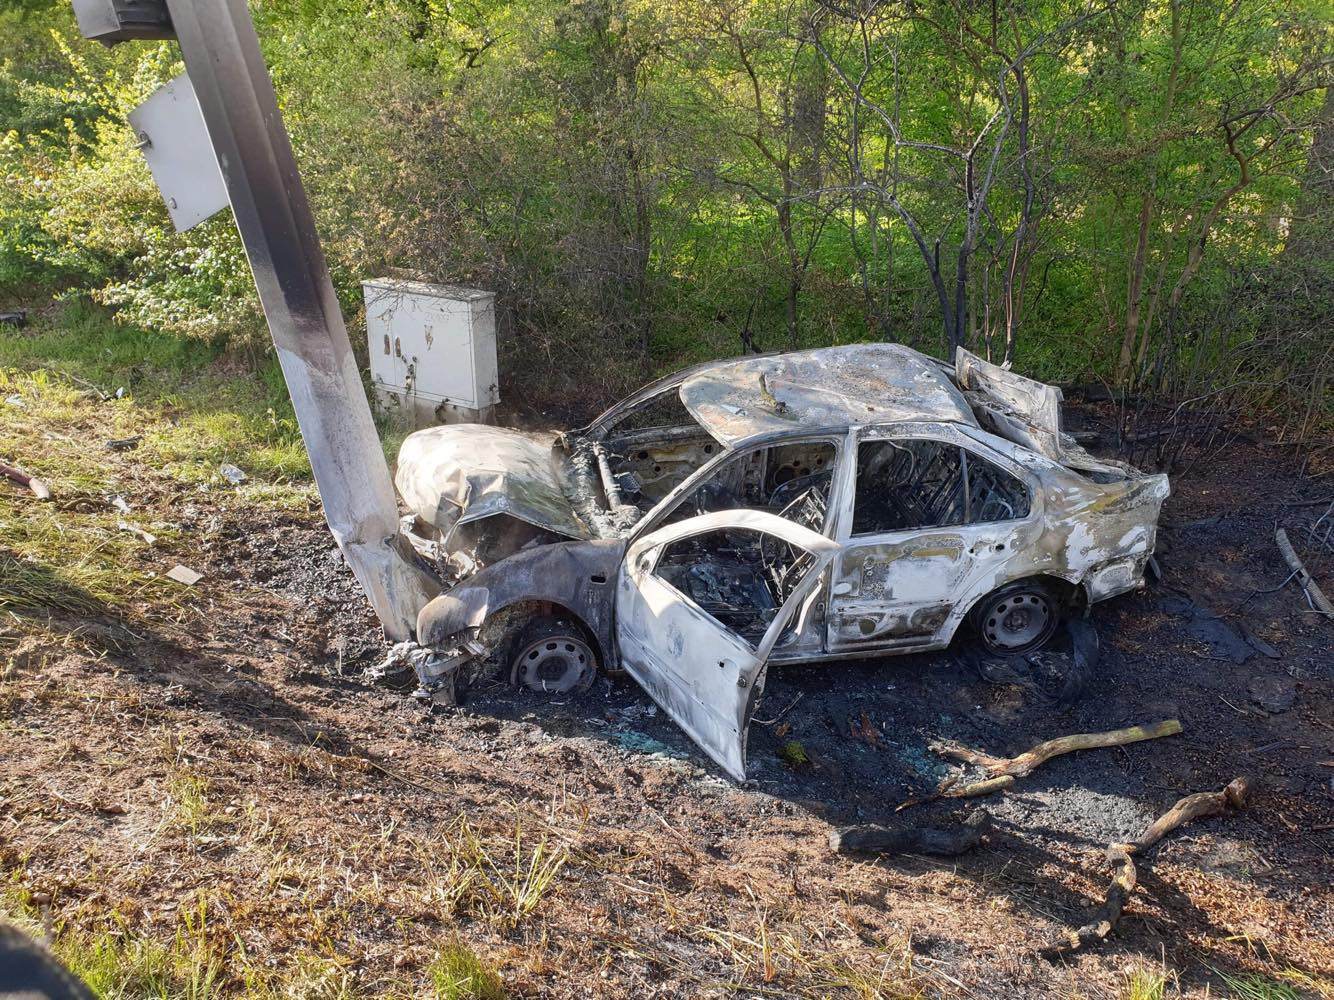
(1019, 618)
(551, 655)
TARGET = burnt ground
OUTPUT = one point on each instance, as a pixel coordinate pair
(678, 882)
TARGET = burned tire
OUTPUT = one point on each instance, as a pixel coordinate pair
(552, 655)
(1018, 618)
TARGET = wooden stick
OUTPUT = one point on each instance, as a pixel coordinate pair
(1193, 807)
(984, 787)
(1105, 920)
(1234, 796)
(1027, 762)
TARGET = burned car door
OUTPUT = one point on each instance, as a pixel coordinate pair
(700, 605)
(929, 518)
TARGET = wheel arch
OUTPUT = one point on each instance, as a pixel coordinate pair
(1071, 594)
(578, 578)
(502, 625)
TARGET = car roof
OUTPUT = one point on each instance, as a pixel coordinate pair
(743, 401)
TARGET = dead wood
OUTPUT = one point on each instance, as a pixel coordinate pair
(39, 489)
(1193, 807)
(1234, 796)
(1027, 762)
(1109, 913)
(1312, 590)
(949, 788)
(873, 839)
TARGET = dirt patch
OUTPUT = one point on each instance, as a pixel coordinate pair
(331, 808)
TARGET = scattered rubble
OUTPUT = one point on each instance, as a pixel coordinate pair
(1273, 694)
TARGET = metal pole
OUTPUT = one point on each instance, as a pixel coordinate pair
(223, 59)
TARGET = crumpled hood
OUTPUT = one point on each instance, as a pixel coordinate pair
(459, 473)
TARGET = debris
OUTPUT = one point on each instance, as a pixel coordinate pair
(14, 317)
(125, 444)
(16, 400)
(636, 742)
(437, 671)
(1273, 694)
(790, 706)
(1201, 804)
(232, 474)
(1224, 639)
(1028, 762)
(1314, 595)
(1055, 674)
(864, 729)
(184, 574)
(39, 489)
(119, 503)
(134, 529)
(949, 843)
(949, 790)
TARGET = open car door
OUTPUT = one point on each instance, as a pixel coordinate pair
(700, 605)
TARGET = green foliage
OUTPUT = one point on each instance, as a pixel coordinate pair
(649, 184)
(457, 973)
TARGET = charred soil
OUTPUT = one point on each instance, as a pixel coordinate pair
(229, 755)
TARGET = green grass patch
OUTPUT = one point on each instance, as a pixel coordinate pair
(457, 973)
(118, 964)
(194, 406)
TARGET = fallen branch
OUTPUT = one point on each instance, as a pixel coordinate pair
(1109, 913)
(1191, 807)
(39, 488)
(912, 840)
(1313, 592)
(1028, 762)
(951, 790)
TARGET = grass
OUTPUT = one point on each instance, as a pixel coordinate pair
(504, 885)
(194, 407)
(74, 380)
(1145, 984)
(767, 957)
(1250, 986)
(118, 964)
(457, 973)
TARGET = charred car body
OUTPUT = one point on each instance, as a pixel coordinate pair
(822, 505)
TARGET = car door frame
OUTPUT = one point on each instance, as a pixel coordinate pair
(721, 730)
(984, 540)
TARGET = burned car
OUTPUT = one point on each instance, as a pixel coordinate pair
(830, 504)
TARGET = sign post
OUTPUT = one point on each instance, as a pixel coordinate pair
(254, 154)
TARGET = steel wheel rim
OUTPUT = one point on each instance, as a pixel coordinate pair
(1018, 622)
(554, 664)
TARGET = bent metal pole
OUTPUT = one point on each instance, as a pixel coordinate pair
(223, 59)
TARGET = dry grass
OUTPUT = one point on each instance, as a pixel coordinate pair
(213, 817)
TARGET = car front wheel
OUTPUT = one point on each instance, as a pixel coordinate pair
(1018, 618)
(551, 655)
